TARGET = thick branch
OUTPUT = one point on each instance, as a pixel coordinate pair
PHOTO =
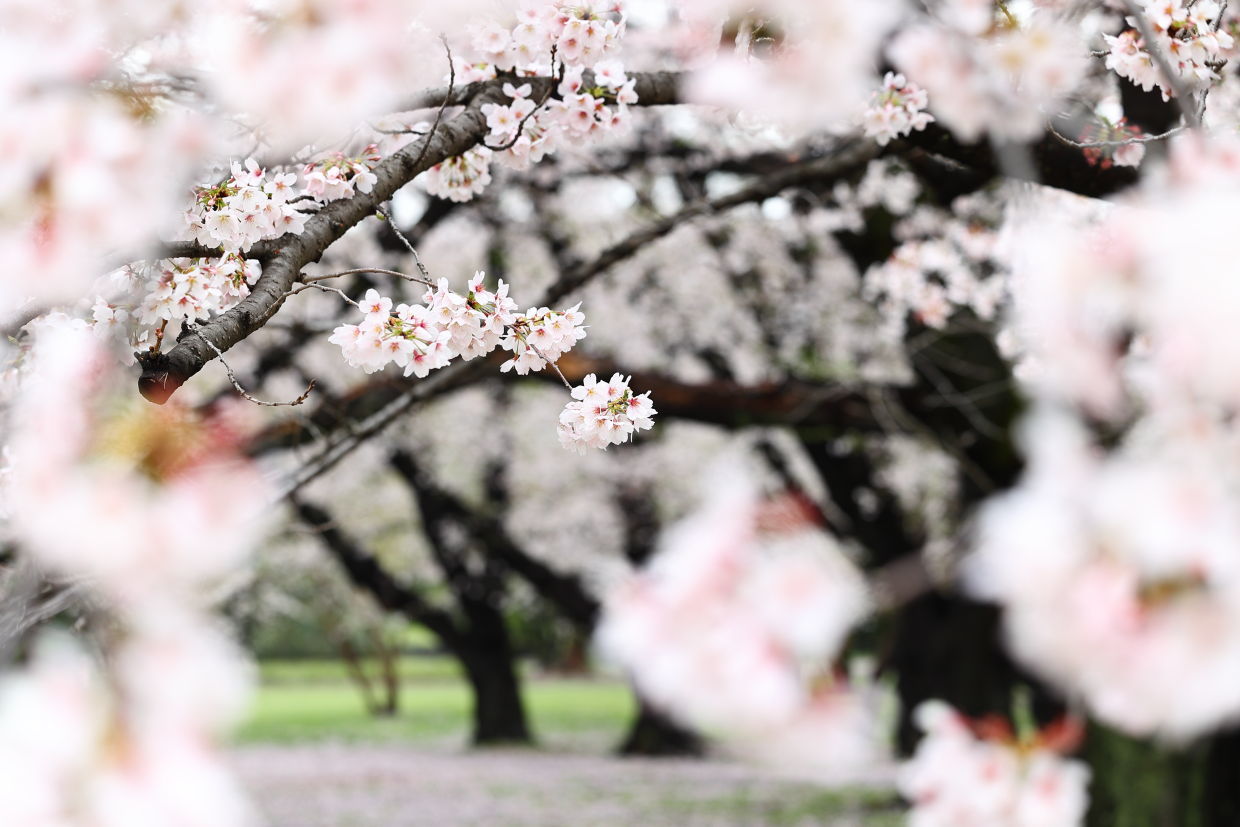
(734, 405)
(163, 373)
(366, 573)
(851, 156)
(565, 592)
(1055, 165)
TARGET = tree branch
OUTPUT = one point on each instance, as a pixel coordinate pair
(366, 573)
(163, 373)
(850, 156)
(563, 591)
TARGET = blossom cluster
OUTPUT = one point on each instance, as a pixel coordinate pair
(76, 750)
(163, 511)
(1185, 33)
(530, 132)
(425, 337)
(604, 413)
(1094, 302)
(886, 184)
(1004, 81)
(405, 336)
(422, 338)
(980, 774)
(584, 110)
(250, 205)
(338, 176)
(359, 58)
(460, 177)
(243, 209)
(84, 185)
(1120, 146)
(941, 266)
(192, 289)
(1131, 602)
(580, 36)
(896, 109)
(734, 624)
(541, 335)
(770, 63)
(582, 32)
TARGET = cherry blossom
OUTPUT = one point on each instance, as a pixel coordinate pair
(422, 338)
(604, 413)
(1126, 153)
(244, 208)
(462, 177)
(942, 266)
(774, 64)
(130, 473)
(1184, 33)
(541, 335)
(359, 56)
(1118, 575)
(970, 774)
(1007, 82)
(896, 109)
(164, 509)
(337, 176)
(745, 598)
(194, 289)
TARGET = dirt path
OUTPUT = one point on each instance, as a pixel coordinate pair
(402, 786)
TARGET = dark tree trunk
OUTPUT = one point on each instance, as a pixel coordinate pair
(651, 733)
(485, 647)
(499, 712)
(654, 734)
(356, 671)
(389, 672)
(1222, 780)
(1140, 783)
(949, 648)
(1137, 783)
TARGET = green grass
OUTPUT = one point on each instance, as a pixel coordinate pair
(312, 700)
(796, 805)
(318, 671)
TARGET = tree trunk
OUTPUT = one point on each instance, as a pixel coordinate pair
(1140, 783)
(1137, 783)
(1222, 780)
(654, 734)
(356, 669)
(949, 649)
(499, 712)
(389, 670)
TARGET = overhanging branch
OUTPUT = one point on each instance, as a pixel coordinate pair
(163, 373)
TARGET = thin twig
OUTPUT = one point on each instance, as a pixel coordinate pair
(551, 362)
(520, 126)
(386, 215)
(193, 328)
(408, 130)
(450, 378)
(900, 582)
(377, 270)
(1160, 60)
(430, 136)
(1136, 139)
(325, 289)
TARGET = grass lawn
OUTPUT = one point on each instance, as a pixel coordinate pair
(300, 703)
(310, 700)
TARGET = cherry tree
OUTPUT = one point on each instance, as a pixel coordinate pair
(935, 295)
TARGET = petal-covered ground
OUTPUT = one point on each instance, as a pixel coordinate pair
(339, 785)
